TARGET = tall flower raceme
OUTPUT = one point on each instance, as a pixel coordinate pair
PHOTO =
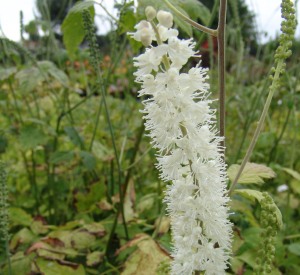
(181, 124)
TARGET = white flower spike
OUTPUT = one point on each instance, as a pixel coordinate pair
(182, 127)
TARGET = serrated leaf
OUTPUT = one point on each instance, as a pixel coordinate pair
(252, 174)
(31, 136)
(257, 195)
(72, 26)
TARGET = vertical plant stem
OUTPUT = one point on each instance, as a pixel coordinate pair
(221, 62)
(259, 126)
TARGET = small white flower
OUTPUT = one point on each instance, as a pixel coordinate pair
(165, 18)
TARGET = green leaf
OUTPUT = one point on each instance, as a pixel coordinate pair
(257, 195)
(294, 248)
(82, 240)
(24, 236)
(51, 69)
(31, 136)
(20, 264)
(128, 18)
(74, 136)
(72, 27)
(53, 268)
(252, 174)
(88, 160)
(19, 217)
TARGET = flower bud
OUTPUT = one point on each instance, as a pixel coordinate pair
(146, 37)
(150, 13)
(165, 18)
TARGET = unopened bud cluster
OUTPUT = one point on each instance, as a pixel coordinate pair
(288, 27)
(269, 223)
(181, 124)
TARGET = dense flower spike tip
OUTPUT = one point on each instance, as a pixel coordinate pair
(182, 127)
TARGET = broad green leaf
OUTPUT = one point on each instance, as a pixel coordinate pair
(294, 248)
(82, 240)
(7, 73)
(74, 136)
(88, 160)
(54, 268)
(72, 27)
(51, 69)
(252, 174)
(24, 236)
(38, 227)
(128, 18)
(19, 217)
(257, 195)
(31, 136)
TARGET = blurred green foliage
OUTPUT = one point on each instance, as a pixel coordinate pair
(63, 176)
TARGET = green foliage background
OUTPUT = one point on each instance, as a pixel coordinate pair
(63, 174)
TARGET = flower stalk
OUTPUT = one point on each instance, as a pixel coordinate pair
(283, 51)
